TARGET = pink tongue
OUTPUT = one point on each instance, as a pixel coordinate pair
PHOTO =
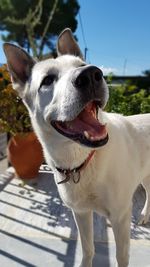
(87, 122)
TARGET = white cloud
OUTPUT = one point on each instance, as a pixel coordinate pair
(108, 70)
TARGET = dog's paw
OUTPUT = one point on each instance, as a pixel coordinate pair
(144, 219)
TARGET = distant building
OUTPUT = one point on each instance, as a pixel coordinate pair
(139, 81)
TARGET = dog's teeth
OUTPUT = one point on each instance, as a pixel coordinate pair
(94, 138)
(91, 138)
(86, 134)
(93, 113)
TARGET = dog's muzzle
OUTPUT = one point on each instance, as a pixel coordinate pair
(85, 128)
(88, 81)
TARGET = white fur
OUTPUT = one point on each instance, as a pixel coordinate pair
(109, 180)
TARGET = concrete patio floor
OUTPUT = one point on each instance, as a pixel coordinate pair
(36, 229)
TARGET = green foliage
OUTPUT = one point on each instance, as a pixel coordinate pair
(34, 24)
(14, 116)
(126, 100)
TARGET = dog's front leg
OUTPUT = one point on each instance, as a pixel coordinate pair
(121, 229)
(146, 209)
(85, 226)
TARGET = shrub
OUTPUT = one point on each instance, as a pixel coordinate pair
(125, 99)
(14, 116)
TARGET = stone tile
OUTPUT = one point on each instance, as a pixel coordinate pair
(36, 229)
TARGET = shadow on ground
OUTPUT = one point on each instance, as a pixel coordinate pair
(37, 207)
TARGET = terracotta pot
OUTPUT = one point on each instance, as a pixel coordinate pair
(25, 155)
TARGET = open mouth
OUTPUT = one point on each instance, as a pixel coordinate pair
(85, 129)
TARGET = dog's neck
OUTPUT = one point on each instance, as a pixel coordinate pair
(69, 173)
(65, 156)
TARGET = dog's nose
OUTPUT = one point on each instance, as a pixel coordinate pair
(88, 76)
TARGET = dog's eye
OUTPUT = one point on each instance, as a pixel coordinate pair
(83, 65)
(48, 80)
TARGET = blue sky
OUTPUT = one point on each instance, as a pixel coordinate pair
(117, 34)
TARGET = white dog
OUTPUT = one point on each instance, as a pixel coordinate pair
(98, 158)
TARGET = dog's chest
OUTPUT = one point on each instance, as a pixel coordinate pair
(83, 197)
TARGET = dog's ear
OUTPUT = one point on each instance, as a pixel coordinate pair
(19, 64)
(67, 45)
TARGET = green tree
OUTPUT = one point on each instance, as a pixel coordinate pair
(34, 24)
(146, 73)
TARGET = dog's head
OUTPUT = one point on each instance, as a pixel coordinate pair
(63, 95)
